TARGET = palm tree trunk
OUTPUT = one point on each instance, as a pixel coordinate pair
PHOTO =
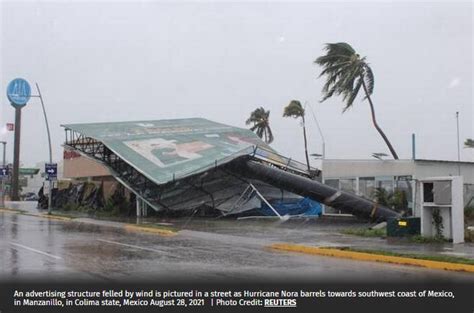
(387, 142)
(305, 144)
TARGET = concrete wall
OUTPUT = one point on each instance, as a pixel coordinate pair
(427, 168)
(77, 166)
(416, 168)
(80, 168)
(450, 207)
(366, 168)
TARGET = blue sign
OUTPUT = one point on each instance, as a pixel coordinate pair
(18, 92)
(4, 172)
(51, 170)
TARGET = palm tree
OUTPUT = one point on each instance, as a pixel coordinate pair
(346, 73)
(295, 110)
(469, 143)
(261, 124)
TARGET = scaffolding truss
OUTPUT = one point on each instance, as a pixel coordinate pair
(195, 187)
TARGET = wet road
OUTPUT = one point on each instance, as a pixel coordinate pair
(37, 247)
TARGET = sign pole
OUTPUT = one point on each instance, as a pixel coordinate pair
(18, 92)
(16, 156)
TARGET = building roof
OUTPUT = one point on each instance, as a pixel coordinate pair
(445, 161)
(399, 161)
(164, 150)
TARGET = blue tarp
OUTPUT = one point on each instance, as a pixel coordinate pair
(303, 206)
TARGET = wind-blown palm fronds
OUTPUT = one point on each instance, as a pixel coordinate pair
(261, 124)
(346, 73)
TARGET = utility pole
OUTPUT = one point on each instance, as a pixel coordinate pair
(50, 194)
(2, 204)
(320, 133)
(457, 127)
(459, 150)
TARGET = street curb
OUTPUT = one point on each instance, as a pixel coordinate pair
(162, 232)
(44, 215)
(126, 227)
(6, 210)
(362, 256)
(53, 217)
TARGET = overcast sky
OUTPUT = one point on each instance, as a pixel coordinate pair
(115, 61)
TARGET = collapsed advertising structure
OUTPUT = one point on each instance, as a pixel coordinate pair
(184, 164)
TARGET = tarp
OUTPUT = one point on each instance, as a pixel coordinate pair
(301, 206)
(164, 150)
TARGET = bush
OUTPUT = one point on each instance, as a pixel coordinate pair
(396, 200)
(469, 212)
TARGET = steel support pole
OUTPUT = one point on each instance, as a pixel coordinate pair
(16, 156)
(303, 186)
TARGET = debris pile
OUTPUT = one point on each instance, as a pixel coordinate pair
(75, 195)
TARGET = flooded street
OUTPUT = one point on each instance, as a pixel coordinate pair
(203, 249)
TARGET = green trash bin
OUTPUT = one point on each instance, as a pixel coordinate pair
(403, 226)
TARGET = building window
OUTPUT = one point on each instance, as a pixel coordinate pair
(367, 187)
(348, 185)
(332, 183)
(386, 185)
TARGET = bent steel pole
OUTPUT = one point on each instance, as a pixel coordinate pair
(50, 195)
(341, 200)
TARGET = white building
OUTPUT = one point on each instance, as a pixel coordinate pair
(362, 177)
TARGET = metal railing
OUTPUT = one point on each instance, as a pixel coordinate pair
(281, 162)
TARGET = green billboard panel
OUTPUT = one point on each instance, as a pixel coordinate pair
(165, 150)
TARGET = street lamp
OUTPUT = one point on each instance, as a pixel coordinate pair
(323, 156)
(379, 155)
(50, 194)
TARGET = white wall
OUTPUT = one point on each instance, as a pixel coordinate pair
(366, 168)
(425, 169)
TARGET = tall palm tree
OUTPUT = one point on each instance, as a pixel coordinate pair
(261, 124)
(469, 143)
(295, 110)
(346, 73)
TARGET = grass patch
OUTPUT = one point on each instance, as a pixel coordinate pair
(439, 258)
(366, 232)
(421, 239)
(382, 233)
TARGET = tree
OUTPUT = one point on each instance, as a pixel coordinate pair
(469, 143)
(295, 110)
(261, 124)
(347, 72)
